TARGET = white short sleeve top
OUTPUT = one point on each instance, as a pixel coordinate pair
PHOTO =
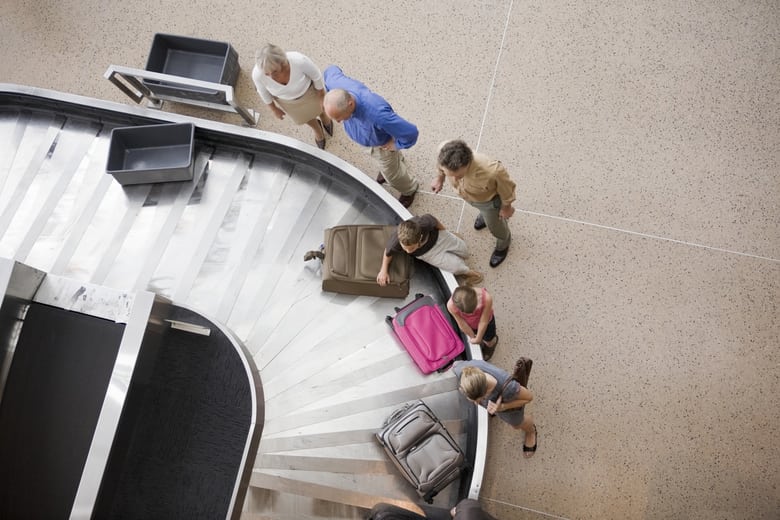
(303, 72)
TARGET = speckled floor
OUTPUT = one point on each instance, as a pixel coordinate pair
(644, 276)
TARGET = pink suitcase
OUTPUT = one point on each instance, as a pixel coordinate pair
(426, 333)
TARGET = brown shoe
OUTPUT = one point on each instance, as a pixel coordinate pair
(327, 128)
(380, 179)
(406, 200)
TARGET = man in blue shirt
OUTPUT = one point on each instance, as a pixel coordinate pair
(370, 121)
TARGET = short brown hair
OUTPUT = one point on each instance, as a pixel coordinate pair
(465, 299)
(455, 154)
(409, 233)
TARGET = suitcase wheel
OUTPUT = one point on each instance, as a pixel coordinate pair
(389, 320)
(445, 367)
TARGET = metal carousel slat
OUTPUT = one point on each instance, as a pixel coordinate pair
(230, 244)
(12, 128)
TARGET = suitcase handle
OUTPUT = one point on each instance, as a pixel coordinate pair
(417, 296)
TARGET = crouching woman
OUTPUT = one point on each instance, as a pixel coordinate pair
(492, 388)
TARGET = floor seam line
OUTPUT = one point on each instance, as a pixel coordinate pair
(550, 515)
(649, 235)
(493, 79)
(489, 96)
(620, 230)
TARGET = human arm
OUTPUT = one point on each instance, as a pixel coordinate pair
(404, 134)
(484, 319)
(522, 398)
(506, 211)
(278, 112)
(439, 225)
(462, 325)
(383, 278)
(265, 95)
(331, 75)
(438, 182)
(310, 70)
(505, 187)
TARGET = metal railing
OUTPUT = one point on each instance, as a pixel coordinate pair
(132, 82)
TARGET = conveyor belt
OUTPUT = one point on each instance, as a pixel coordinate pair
(230, 245)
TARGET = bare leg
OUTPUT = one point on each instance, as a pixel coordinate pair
(315, 125)
(325, 119)
(529, 427)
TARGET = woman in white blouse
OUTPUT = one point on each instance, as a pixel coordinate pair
(290, 84)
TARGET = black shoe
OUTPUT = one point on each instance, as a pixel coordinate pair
(498, 256)
(480, 222)
(380, 179)
(487, 352)
(406, 200)
(311, 255)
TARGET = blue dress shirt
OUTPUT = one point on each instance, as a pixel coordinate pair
(373, 122)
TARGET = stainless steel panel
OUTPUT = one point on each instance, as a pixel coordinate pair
(230, 244)
(18, 284)
(138, 317)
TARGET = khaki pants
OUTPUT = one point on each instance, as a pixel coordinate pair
(392, 166)
(498, 226)
(448, 254)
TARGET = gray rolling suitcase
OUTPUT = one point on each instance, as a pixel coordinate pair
(353, 257)
(421, 448)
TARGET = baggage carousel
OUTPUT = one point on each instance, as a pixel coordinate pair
(222, 252)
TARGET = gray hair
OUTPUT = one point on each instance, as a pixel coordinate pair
(270, 58)
(339, 98)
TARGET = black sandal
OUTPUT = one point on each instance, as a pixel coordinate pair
(531, 449)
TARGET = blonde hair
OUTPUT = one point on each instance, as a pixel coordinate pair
(410, 233)
(270, 58)
(465, 299)
(473, 383)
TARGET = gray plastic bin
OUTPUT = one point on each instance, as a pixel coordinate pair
(153, 153)
(204, 60)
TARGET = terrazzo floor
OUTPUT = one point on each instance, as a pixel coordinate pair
(644, 275)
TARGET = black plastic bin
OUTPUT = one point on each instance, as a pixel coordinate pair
(152, 153)
(204, 60)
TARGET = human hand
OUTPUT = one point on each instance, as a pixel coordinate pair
(389, 145)
(278, 112)
(506, 211)
(474, 341)
(383, 278)
(492, 407)
(437, 184)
